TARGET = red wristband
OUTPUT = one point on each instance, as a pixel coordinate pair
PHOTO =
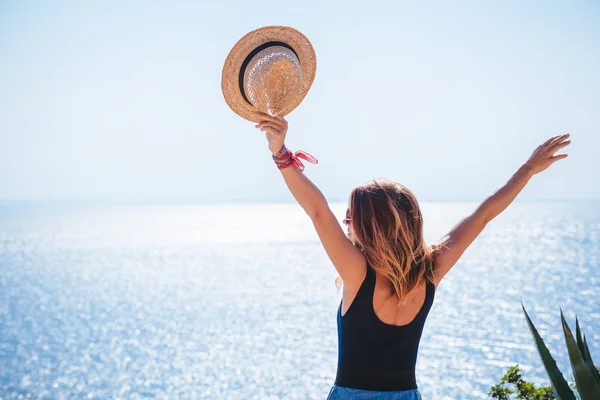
(285, 158)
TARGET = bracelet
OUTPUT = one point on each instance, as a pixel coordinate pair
(280, 152)
(284, 158)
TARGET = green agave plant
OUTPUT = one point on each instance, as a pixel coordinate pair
(586, 375)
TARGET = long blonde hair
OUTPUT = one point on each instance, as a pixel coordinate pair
(388, 228)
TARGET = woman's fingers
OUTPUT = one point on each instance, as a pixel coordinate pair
(553, 159)
(547, 142)
(555, 139)
(266, 124)
(559, 157)
(558, 145)
(277, 120)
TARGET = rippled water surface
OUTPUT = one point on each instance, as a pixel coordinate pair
(239, 301)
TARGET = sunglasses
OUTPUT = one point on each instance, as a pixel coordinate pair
(347, 219)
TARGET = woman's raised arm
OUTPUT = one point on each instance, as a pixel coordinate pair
(304, 191)
(346, 258)
(453, 245)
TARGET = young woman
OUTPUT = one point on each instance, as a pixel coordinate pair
(389, 274)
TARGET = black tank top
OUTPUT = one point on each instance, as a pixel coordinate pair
(373, 355)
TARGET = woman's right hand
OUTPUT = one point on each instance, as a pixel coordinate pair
(275, 129)
(543, 156)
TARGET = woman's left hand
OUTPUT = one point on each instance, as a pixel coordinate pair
(275, 129)
(543, 156)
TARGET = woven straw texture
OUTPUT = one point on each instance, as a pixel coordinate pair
(275, 80)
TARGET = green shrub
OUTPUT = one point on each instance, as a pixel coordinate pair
(524, 390)
(587, 376)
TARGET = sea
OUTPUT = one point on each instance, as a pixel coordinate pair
(238, 301)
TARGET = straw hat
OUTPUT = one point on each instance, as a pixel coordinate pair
(269, 70)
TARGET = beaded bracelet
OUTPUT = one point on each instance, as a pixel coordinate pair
(284, 158)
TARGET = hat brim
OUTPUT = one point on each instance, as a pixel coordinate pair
(231, 70)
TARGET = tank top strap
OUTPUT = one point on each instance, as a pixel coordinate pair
(429, 293)
(370, 281)
(364, 297)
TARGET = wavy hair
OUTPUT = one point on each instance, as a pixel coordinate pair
(388, 228)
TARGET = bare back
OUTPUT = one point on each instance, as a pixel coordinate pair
(386, 304)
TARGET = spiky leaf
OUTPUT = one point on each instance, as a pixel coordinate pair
(579, 339)
(589, 362)
(560, 387)
(586, 385)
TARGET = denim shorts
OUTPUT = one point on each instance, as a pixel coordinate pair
(342, 393)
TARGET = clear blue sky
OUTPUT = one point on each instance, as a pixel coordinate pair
(114, 100)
